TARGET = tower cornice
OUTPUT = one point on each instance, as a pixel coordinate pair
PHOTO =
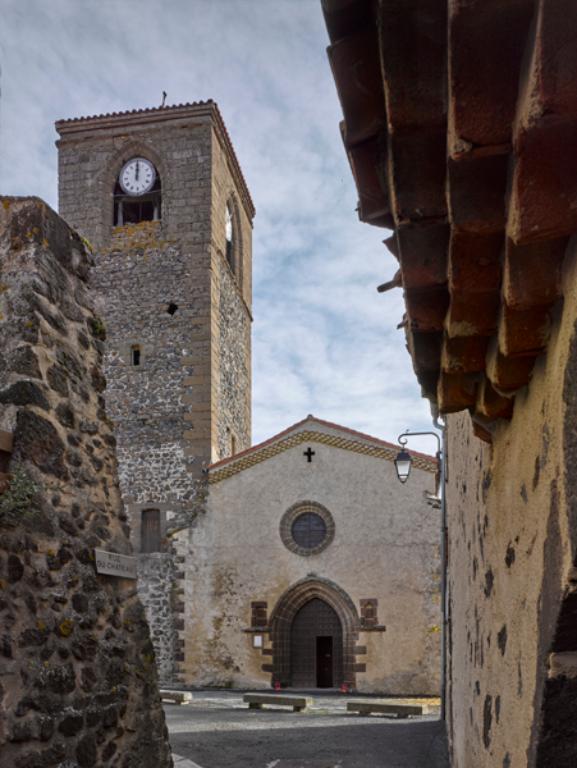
(75, 126)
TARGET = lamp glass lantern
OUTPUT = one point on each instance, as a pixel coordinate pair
(403, 463)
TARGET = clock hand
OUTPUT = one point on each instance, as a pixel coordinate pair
(137, 170)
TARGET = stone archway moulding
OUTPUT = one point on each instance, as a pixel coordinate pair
(286, 609)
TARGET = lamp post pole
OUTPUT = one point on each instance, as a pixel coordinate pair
(441, 458)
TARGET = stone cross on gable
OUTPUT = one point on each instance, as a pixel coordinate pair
(309, 454)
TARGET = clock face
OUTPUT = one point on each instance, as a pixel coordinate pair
(137, 176)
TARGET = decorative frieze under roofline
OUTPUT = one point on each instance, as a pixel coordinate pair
(250, 459)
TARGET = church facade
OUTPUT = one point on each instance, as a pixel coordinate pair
(300, 562)
(314, 567)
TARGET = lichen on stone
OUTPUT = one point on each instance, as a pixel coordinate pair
(16, 501)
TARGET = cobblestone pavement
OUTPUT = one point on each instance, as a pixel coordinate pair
(216, 730)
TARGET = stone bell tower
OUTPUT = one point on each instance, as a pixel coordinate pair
(160, 197)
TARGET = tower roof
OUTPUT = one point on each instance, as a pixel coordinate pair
(147, 115)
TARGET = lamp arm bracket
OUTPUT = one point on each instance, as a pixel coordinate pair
(403, 438)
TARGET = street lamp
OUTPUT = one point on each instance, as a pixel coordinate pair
(403, 463)
(404, 460)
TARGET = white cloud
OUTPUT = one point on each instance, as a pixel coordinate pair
(324, 340)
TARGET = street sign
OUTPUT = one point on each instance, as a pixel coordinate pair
(113, 564)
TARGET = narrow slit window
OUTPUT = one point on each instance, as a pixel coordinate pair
(229, 236)
(135, 355)
(150, 530)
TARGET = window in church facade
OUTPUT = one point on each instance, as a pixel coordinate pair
(307, 528)
(150, 530)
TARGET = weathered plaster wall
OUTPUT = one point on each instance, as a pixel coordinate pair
(78, 681)
(385, 547)
(512, 544)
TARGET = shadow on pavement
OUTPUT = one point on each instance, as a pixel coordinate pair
(413, 744)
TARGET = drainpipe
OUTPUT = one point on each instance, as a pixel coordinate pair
(444, 563)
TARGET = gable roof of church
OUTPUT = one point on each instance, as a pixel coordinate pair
(304, 431)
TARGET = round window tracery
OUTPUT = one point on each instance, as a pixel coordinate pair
(307, 528)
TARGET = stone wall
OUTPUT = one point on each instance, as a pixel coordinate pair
(232, 300)
(78, 685)
(156, 582)
(512, 544)
(234, 387)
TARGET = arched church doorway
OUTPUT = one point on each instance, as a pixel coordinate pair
(314, 629)
(316, 647)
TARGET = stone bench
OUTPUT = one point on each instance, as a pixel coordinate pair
(176, 697)
(387, 708)
(256, 700)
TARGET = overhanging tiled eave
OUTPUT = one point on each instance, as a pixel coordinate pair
(476, 163)
(354, 59)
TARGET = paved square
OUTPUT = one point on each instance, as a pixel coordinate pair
(217, 731)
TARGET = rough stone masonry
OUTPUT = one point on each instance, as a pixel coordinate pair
(78, 684)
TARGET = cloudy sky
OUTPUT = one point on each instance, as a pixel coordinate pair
(325, 342)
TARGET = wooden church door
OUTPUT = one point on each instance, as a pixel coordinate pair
(316, 647)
